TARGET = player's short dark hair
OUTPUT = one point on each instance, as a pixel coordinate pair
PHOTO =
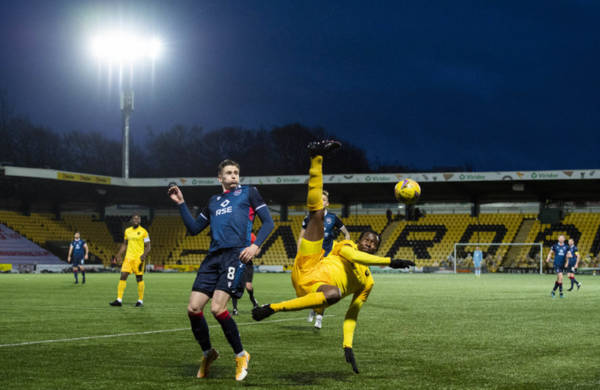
(226, 162)
(372, 232)
(326, 193)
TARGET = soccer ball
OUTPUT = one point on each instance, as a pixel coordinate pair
(407, 191)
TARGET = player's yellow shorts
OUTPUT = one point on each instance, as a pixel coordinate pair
(133, 266)
(308, 274)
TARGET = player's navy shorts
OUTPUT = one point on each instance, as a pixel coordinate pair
(558, 268)
(218, 271)
(77, 262)
(570, 269)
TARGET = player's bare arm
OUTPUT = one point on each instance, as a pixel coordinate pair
(346, 232)
(121, 251)
(87, 251)
(146, 251)
(70, 253)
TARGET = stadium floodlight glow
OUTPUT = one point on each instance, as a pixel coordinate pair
(119, 46)
(123, 49)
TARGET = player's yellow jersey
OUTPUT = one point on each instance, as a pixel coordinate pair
(135, 237)
(349, 277)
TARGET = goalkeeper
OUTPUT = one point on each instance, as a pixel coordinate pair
(322, 281)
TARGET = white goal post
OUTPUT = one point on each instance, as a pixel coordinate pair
(490, 244)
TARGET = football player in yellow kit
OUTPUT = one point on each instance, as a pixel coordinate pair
(136, 246)
(322, 281)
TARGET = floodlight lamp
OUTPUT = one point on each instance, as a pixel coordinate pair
(124, 47)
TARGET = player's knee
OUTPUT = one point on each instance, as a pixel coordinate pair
(194, 309)
(217, 309)
(332, 295)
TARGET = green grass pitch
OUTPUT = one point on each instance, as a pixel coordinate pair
(415, 332)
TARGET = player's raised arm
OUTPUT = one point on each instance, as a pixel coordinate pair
(193, 226)
(340, 225)
(357, 256)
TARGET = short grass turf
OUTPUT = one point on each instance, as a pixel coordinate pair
(415, 332)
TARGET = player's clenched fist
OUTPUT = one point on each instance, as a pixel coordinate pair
(175, 194)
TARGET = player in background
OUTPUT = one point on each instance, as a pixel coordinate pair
(230, 215)
(573, 258)
(559, 250)
(331, 225)
(78, 252)
(477, 257)
(248, 276)
(322, 281)
(136, 246)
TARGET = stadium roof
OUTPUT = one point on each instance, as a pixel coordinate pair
(61, 186)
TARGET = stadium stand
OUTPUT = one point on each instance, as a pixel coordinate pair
(16, 249)
(38, 227)
(429, 241)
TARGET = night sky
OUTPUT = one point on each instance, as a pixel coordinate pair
(500, 85)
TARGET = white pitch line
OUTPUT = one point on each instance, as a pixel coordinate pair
(105, 336)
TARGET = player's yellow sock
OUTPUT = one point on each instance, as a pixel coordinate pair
(141, 290)
(314, 199)
(121, 289)
(309, 300)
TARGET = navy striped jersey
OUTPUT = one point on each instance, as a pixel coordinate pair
(78, 249)
(574, 252)
(330, 224)
(231, 215)
(560, 253)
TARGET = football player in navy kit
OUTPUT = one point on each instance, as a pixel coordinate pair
(559, 250)
(78, 253)
(573, 258)
(230, 215)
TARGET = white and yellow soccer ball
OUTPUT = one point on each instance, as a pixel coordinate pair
(407, 191)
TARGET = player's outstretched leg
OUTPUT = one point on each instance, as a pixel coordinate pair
(325, 295)
(315, 299)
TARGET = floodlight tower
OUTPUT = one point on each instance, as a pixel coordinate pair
(126, 110)
(124, 49)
